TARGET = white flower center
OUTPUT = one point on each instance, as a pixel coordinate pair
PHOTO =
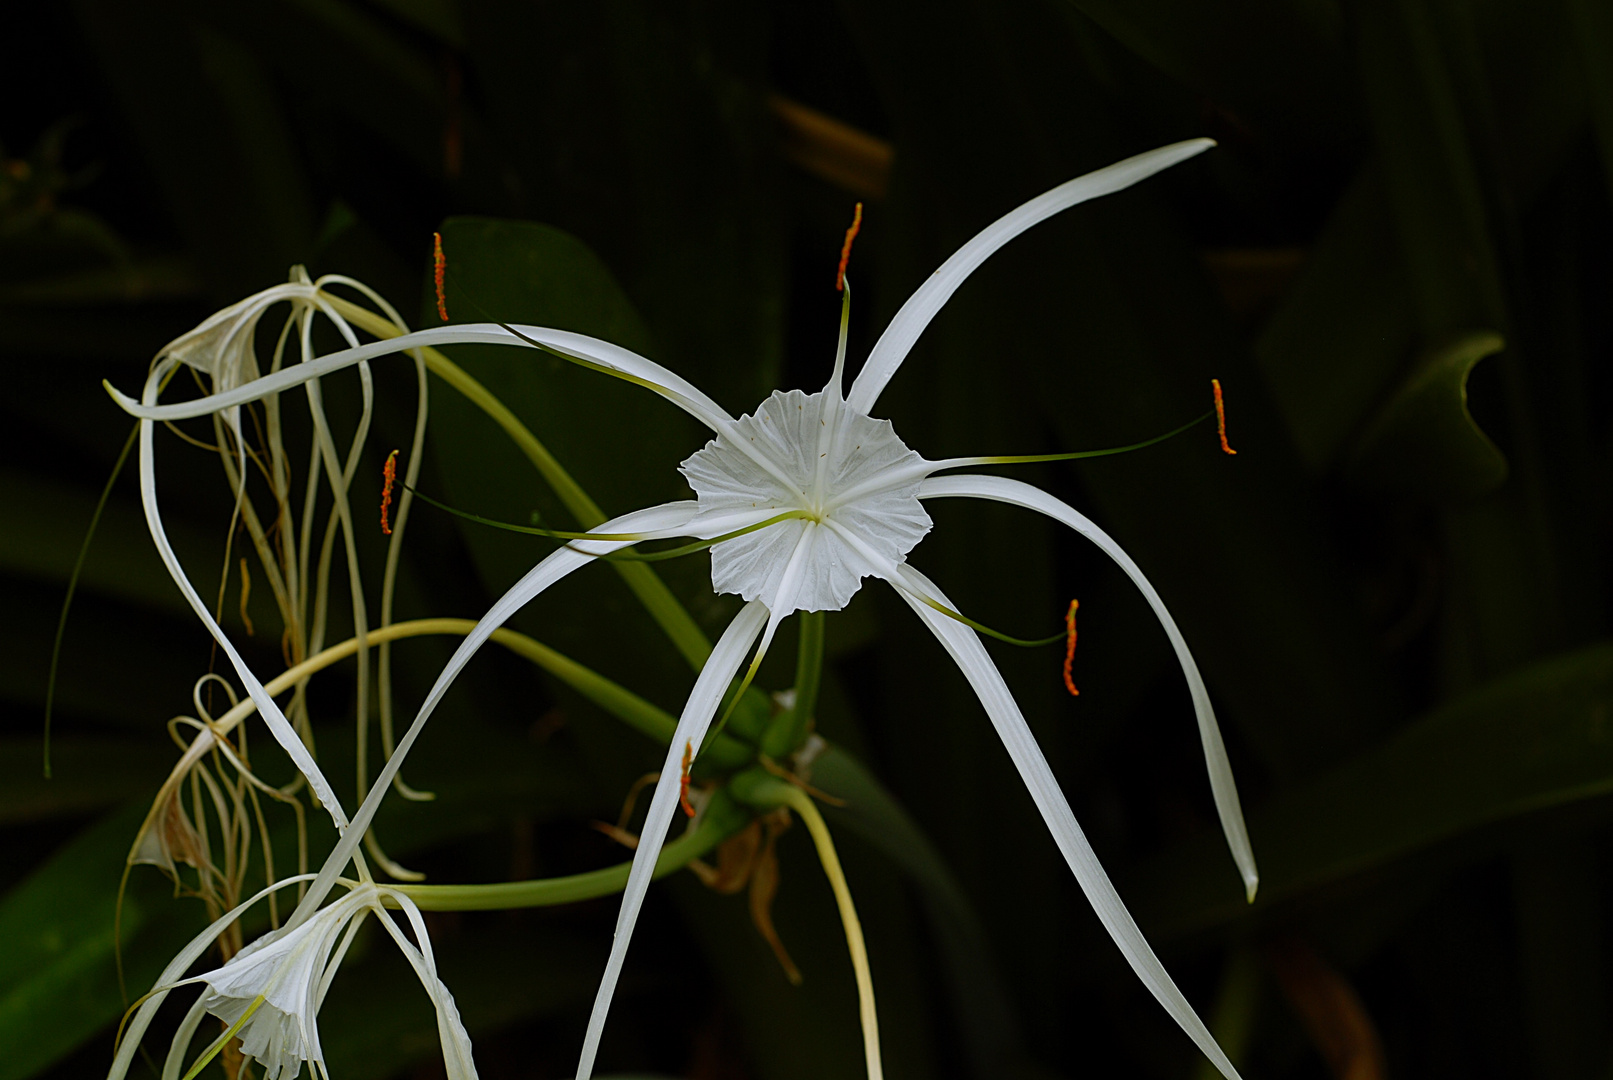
(814, 455)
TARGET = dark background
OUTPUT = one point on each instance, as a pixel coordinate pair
(1397, 589)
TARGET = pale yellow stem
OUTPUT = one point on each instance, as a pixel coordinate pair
(804, 808)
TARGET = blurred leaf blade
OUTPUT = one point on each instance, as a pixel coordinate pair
(58, 985)
(1280, 61)
(1529, 741)
(1424, 439)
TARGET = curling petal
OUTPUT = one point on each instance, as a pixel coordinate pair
(590, 350)
(279, 726)
(458, 1062)
(557, 566)
(965, 648)
(893, 345)
(1222, 786)
(729, 653)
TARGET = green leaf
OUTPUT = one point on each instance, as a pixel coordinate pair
(214, 135)
(1539, 738)
(1278, 61)
(1593, 34)
(621, 443)
(1345, 328)
(661, 157)
(1423, 441)
(161, 278)
(773, 1014)
(58, 982)
(437, 17)
(351, 62)
(1428, 163)
(45, 523)
(129, 667)
(89, 774)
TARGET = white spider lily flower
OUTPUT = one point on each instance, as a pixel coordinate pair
(852, 493)
(270, 992)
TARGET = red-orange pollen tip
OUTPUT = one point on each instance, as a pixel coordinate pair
(438, 266)
(1221, 417)
(389, 476)
(845, 249)
(683, 780)
(1069, 647)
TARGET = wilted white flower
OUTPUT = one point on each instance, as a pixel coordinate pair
(824, 495)
(270, 992)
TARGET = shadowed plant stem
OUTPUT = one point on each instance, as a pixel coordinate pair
(721, 819)
(72, 584)
(765, 791)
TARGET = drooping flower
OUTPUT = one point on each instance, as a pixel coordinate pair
(832, 497)
(269, 994)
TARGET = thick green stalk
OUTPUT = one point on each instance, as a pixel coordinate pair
(767, 792)
(789, 729)
(723, 818)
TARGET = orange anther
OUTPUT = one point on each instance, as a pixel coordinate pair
(683, 780)
(1069, 647)
(845, 249)
(438, 265)
(389, 476)
(1221, 416)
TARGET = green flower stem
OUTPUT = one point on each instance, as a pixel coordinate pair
(613, 698)
(652, 592)
(789, 729)
(723, 818)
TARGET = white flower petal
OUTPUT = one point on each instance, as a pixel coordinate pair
(707, 694)
(278, 725)
(782, 458)
(286, 968)
(1222, 786)
(458, 1060)
(575, 555)
(964, 646)
(671, 386)
(893, 345)
(275, 986)
(171, 976)
(181, 1041)
(709, 524)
